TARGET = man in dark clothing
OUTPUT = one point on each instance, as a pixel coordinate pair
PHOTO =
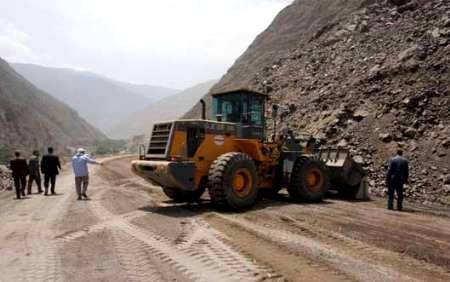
(50, 167)
(397, 176)
(35, 174)
(19, 169)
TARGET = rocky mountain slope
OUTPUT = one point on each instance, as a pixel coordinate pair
(369, 75)
(31, 119)
(169, 108)
(83, 91)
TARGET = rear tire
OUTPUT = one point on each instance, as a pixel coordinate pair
(180, 196)
(309, 180)
(232, 181)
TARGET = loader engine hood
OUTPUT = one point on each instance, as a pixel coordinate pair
(180, 139)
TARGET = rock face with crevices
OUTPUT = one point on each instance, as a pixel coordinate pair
(371, 75)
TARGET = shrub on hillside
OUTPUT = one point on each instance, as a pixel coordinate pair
(109, 147)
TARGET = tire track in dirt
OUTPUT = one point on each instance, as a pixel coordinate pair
(321, 252)
(390, 230)
(134, 256)
(369, 212)
(89, 229)
(293, 264)
(373, 255)
(43, 263)
(194, 263)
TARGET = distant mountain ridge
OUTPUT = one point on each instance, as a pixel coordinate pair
(101, 101)
(32, 119)
(169, 108)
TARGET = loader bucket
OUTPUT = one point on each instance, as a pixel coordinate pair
(346, 175)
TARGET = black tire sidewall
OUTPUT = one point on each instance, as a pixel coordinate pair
(298, 188)
(221, 177)
(236, 163)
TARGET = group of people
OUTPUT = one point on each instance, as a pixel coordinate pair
(49, 166)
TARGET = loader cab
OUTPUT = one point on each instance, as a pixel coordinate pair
(244, 107)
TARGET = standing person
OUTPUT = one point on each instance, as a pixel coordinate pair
(80, 169)
(34, 172)
(397, 176)
(50, 167)
(19, 169)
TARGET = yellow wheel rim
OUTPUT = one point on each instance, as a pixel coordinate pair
(314, 179)
(242, 182)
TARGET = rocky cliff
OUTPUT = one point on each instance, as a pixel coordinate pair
(369, 75)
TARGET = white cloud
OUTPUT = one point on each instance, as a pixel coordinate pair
(170, 42)
(13, 44)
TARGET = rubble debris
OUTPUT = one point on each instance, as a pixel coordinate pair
(5, 178)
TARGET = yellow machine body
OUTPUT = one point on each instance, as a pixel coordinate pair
(217, 138)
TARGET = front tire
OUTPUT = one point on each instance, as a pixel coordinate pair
(232, 181)
(309, 180)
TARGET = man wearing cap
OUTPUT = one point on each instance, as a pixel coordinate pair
(80, 169)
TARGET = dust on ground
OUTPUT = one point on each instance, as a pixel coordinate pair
(129, 231)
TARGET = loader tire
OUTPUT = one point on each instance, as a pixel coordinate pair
(180, 196)
(232, 181)
(309, 180)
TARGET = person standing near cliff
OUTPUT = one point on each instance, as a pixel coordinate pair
(397, 176)
(50, 167)
(80, 168)
(19, 169)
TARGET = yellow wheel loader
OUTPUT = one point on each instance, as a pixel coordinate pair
(234, 160)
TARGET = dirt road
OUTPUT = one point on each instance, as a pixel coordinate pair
(129, 231)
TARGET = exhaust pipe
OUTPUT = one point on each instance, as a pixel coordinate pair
(203, 108)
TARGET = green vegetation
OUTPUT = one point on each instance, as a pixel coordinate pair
(5, 155)
(109, 147)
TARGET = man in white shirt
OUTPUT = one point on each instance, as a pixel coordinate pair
(80, 169)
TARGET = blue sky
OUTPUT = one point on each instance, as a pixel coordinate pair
(173, 43)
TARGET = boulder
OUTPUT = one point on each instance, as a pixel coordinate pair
(447, 179)
(446, 188)
(411, 5)
(399, 2)
(359, 115)
(409, 132)
(408, 53)
(385, 137)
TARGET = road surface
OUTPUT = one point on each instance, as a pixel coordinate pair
(129, 231)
